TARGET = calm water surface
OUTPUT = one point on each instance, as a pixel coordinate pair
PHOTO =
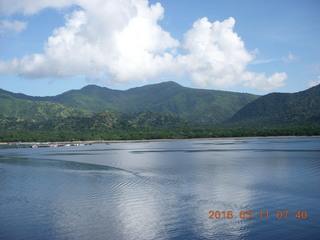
(162, 190)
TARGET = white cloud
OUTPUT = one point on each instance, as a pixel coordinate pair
(12, 26)
(216, 55)
(261, 82)
(27, 7)
(122, 41)
(263, 61)
(286, 59)
(290, 58)
(313, 83)
(119, 39)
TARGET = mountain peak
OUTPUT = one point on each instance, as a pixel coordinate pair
(170, 83)
(157, 86)
(92, 87)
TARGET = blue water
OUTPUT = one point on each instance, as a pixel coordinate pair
(162, 190)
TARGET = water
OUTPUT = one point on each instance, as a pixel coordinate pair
(162, 190)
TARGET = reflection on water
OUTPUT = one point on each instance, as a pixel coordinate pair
(161, 190)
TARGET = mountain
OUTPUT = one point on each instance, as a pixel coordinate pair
(17, 106)
(281, 109)
(165, 110)
(202, 106)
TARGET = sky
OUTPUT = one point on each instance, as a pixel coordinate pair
(48, 47)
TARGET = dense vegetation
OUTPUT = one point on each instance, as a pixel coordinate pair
(25, 118)
(156, 133)
(281, 109)
(202, 106)
(21, 109)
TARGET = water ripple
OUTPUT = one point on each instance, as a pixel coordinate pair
(161, 190)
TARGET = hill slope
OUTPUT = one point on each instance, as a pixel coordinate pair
(201, 106)
(156, 111)
(14, 106)
(281, 109)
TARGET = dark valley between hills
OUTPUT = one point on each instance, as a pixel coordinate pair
(158, 111)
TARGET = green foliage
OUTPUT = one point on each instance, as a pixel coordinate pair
(22, 109)
(281, 109)
(205, 107)
(161, 111)
(143, 133)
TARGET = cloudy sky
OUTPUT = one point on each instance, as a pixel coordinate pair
(257, 46)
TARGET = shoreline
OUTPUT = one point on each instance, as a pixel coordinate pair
(204, 139)
(89, 142)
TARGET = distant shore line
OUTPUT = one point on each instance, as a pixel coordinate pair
(89, 142)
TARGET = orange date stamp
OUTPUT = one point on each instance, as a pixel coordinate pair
(257, 215)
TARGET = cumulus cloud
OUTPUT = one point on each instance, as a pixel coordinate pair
(121, 41)
(261, 82)
(12, 26)
(216, 54)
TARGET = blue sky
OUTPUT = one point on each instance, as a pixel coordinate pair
(48, 47)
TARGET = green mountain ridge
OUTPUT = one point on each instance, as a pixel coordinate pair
(281, 109)
(205, 107)
(165, 110)
(15, 107)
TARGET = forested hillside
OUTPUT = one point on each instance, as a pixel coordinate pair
(19, 109)
(165, 110)
(205, 107)
(281, 109)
